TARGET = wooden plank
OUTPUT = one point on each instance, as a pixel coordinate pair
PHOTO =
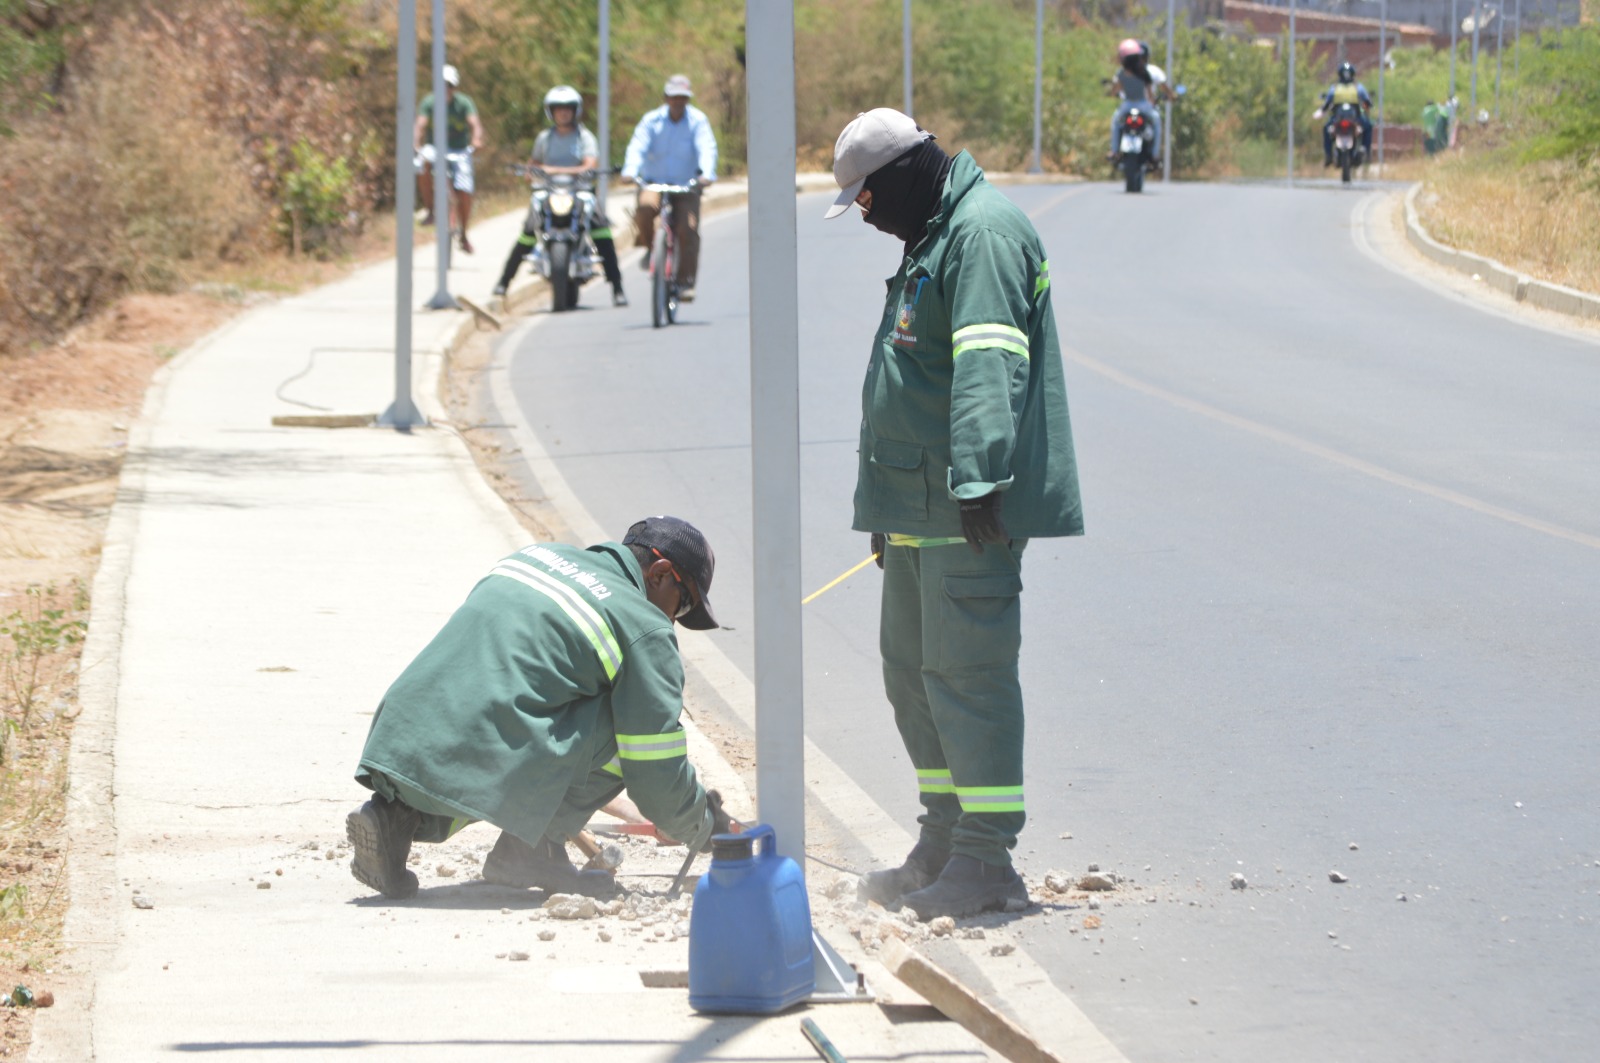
(959, 1003)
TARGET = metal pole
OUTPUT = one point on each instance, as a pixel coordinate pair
(402, 412)
(1383, 68)
(775, 424)
(1038, 88)
(442, 300)
(1499, 56)
(1289, 175)
(1472, 94)
(1516, 54)
(1455, 24)
(1166, 118)
(604, 105)
(905, 48)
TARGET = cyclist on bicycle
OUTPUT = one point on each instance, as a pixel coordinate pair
(565, 147)
(463, 135)
(673, 145)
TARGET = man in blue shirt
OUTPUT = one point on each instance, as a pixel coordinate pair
(673, 145)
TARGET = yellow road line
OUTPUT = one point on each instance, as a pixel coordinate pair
(1305, 446)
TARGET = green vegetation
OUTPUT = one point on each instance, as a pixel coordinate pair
(151, 141)
(1526, 189)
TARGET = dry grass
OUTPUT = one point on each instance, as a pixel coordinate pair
(1540, 218)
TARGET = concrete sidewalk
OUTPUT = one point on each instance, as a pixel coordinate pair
(260, 588)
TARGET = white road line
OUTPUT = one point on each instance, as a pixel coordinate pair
(1337, 457)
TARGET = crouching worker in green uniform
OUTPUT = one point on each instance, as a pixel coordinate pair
(553, 688)
(964, 408)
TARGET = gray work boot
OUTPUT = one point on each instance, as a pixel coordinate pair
(968, 886)
(513, 862)
(380, 832)
(921, 868)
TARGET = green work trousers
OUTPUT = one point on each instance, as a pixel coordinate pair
(595, 781)
(950, 634)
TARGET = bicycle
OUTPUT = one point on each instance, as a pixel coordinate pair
(454, 160)
(664, 255)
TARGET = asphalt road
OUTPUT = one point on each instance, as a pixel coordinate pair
(1338, 609)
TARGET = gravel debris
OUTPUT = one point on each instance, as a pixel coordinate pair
(445, 871)
(141, 901)
(1097, 880)
(1338, 876)
(516, 955)
(943, 926)
(1238, 881)
(547, 934)
(1005, 949)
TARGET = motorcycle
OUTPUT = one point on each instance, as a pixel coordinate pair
(1136, 147)
(561, 211)
(1346, 124)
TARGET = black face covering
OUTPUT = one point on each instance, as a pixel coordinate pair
(906, 192)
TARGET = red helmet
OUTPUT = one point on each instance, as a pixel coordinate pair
(1129, 48)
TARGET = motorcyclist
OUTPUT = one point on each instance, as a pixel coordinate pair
(566, 147)
(1346, 90)
(1138, 83)
(463, 136)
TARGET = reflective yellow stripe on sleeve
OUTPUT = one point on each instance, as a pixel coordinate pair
(934, 781)
(1042, 281)
(990, 798)
(653, 747)
(1004, 337)
(613, 767)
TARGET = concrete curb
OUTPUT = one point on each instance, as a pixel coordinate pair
(1502, 278)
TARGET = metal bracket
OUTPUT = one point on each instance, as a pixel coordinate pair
(837, 981)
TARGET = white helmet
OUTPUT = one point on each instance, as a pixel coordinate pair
(451, 75)
(563, 96)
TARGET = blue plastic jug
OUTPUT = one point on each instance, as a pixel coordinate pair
(750, 929)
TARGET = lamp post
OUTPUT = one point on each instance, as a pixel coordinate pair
(905, 49)
(402, 413)
(1038, 87)
(442, 299)
(1166, 118)
(1472, 92)
(1383, 68)
(1499, 54)
(1289, 168)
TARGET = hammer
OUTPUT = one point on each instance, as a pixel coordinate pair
(607, 857)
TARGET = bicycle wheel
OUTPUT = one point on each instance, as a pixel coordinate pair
(660, 278)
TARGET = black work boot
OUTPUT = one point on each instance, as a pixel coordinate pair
(968, 886)
(380, 832)
(513, 862)
(921, 868)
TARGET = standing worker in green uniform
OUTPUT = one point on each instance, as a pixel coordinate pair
(964, 416)
(554, 687)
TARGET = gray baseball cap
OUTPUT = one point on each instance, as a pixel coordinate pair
(869, 143)
(677, 85)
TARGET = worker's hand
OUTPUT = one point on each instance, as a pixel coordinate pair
(981, 523)
(721, 822)
(879, 543)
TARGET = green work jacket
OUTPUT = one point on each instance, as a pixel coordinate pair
(553, 653)
(965, 392)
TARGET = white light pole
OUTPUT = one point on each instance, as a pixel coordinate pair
(1038, 87)
(604, 106)
(1499, 54)
(775, 424)
(1383, 68)
(1289, 178)
(1472, 92)
(1454, 25)
(1166, 118)
(402, 413)
(442, 299)
(905, 46)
